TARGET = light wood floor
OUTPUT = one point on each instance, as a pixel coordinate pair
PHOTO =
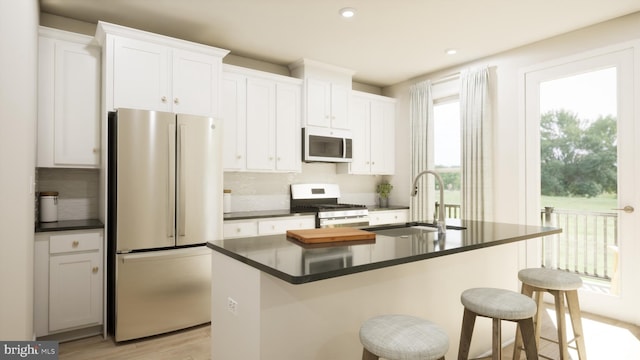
(605, 339)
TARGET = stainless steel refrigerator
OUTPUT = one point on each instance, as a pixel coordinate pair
(164, 203)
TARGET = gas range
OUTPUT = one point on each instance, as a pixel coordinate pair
(323, 200)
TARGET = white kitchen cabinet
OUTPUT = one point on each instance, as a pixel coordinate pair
(326, 93)
(155, 72)
(239, 228)
(261, 114)
(267, 226)
(68, 100)
(281, 225)
(373, 130)
(327, 104)
(69, 282)
(384, 217)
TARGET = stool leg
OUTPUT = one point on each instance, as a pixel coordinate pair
(576, 322)
(562, 333)
(517, 345)
(468, 322)
(496, 351)
(539, 313)
(367, 355)
(528, 335)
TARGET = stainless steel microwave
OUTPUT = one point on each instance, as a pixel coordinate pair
(326, 145)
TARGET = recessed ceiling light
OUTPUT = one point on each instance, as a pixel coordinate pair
(451, 51)
(347, 12)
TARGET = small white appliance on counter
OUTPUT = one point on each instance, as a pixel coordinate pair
(164, 204)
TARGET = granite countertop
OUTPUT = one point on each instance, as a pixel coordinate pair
(299, 263)
(69, 225)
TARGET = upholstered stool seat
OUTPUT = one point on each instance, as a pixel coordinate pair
(560, 284)
(497, 304)
(402, 337)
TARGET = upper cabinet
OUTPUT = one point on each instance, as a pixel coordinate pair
(154, 72)
(261, 115)
(326, 92)
(372, 121)
(68, 100)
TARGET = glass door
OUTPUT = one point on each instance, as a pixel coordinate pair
(581, 172)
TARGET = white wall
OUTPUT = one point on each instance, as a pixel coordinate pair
(509, 122)
(18, 104)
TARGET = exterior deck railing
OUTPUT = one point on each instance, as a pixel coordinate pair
(588, 244)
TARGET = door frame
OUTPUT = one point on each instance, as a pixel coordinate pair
(623, 55)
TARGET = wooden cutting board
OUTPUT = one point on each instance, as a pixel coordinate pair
(325, 235)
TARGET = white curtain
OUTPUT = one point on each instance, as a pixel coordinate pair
(421, 117)
(477, 140)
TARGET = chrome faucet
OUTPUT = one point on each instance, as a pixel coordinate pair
(441, 224)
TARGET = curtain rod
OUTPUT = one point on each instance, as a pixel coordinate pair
(447, 78)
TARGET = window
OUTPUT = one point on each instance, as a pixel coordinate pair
(446, 150)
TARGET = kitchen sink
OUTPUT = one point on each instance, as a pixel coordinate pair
(410, 229)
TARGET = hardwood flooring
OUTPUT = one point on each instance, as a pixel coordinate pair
(605, 339)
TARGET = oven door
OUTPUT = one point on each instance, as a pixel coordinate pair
(360, 221)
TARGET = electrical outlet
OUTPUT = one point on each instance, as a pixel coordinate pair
(232, 306)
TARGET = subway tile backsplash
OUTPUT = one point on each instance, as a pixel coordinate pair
(77, 191)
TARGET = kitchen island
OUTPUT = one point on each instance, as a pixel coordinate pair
(276, 298)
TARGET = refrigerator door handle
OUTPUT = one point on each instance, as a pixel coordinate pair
(171, 190)
(182, 128)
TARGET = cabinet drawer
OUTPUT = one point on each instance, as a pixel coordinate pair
(270, 227)
(234, 229)
(388, 217)
(65, 243)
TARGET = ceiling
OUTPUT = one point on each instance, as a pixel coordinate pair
(387, 42)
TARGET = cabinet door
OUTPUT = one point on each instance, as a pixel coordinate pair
(75, 290)
(77, 104)
(195, 81)
(318, 103)
(288, 135)
(140, 75)
(340, 106)
(382, 138)
(360, 112)
(260, 124)
(234, 121)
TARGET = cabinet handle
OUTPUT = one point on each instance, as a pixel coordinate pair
(238, 230)
(176, 101)
(75, 243)
(96, 150)
(270, 158)
(94, 270)
(164, 99)
(238, 156)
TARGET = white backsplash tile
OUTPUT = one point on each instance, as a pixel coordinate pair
(268, 191)
(77, 191)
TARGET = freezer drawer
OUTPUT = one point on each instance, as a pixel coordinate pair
(162, 291)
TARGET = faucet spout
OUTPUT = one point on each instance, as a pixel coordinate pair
(440, 223)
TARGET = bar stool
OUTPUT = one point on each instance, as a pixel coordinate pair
(497, 304)
(402, 337)
(561, 285)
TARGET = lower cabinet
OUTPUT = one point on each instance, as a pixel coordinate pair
(384, 217)
(69, 281)
(270, 226)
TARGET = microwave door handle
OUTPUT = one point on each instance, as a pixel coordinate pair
(344, 147)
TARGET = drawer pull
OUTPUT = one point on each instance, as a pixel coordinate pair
(75, 243)
(95, 270)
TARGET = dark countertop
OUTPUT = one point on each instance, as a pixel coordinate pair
(69, 225)
(244, 215)
(299, 263)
